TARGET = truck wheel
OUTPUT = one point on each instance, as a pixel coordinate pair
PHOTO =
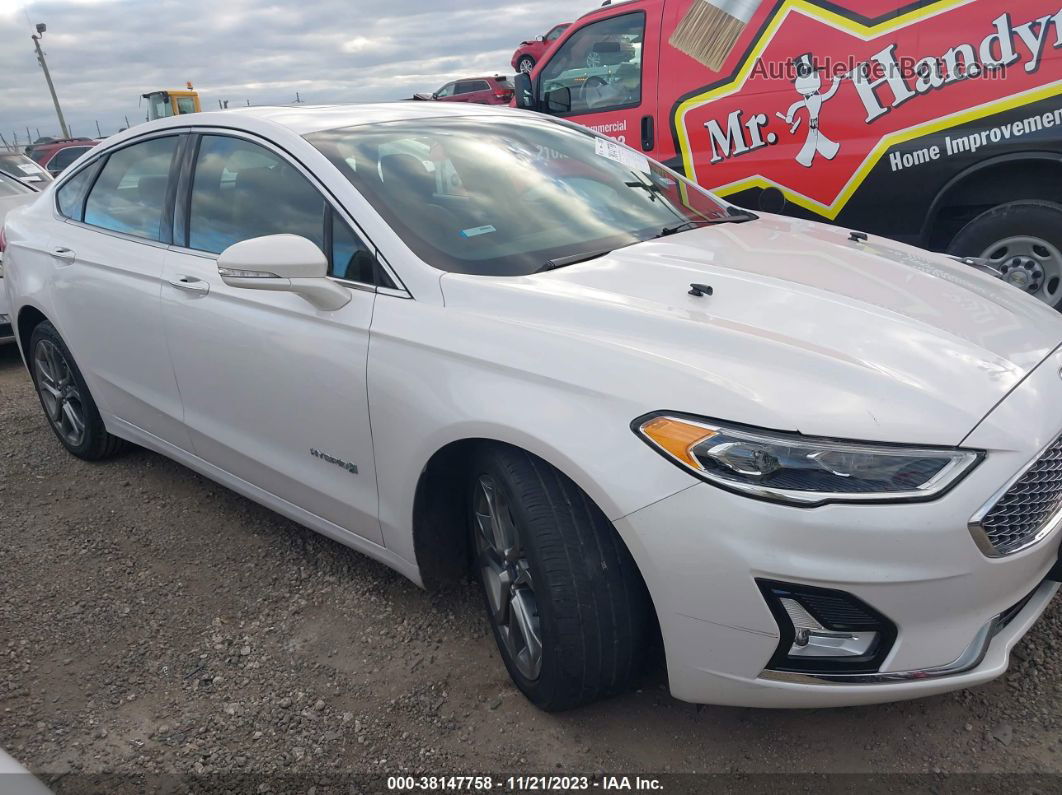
(65, 398)
(566, 604)
(1022, 240)
(525, 64)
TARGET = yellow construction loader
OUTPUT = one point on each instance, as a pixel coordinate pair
(162, 104)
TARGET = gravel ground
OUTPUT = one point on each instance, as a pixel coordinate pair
(154, 622)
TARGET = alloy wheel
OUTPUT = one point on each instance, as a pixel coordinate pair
(506, 575)
(59, 393)
(1030, 264)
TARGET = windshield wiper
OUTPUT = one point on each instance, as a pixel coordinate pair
(732, 217)
(572, 259)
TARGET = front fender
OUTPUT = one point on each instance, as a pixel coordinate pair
(475, 380)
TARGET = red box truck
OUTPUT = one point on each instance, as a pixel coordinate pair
(937, 123)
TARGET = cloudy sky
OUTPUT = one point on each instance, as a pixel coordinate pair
(103, 54)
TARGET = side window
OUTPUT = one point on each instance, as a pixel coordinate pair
(71, 196)
(445, 91)
(555, 34)
(481, 85)
(350, 258)
(185, 105)
(64, 157)
(465, 87)
(600, 65)
(131, 190)
(242, 190)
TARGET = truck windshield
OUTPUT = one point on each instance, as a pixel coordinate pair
(501, 197)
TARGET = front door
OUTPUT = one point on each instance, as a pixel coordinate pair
(274, 390)
(604, 76)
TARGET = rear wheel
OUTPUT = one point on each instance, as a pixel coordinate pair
(1023, 241)
(525, 64)
(65, 398)
(565, 601)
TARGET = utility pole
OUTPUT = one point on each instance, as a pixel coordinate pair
(41, 27)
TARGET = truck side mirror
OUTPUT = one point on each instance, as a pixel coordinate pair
(772, 200)
(525, 91)
(559, 100)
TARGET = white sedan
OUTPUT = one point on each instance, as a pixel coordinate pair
(466, 339)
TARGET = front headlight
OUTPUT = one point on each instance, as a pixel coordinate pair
(802, 470)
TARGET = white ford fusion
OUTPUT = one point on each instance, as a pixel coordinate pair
(464, 339)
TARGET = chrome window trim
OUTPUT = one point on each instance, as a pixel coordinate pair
(113, 233)
(350, 283)
(980, 537)
(970, 659)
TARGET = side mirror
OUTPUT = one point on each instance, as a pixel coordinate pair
(772, 200)
(287, 263)
(559, 100)
(525, 91)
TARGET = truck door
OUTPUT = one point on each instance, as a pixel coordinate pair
(603, 75)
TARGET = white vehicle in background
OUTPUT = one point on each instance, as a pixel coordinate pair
(827, 465)
(25, 169)
(13, 193)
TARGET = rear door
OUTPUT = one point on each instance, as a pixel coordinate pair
(108, 248)
(604, 75)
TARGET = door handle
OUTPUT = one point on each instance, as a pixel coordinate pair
(648, 134)
(190, 284)
(64, 253)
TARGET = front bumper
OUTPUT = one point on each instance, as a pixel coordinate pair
(702, 550)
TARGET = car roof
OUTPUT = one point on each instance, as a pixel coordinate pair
(307, 119)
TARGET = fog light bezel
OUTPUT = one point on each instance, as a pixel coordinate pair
(774, 591)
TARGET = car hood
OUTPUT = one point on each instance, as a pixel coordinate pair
(806, 330)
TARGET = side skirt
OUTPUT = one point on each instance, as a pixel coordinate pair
(274, 503)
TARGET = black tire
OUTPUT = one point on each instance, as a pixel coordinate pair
(1030, 218)
(593, 609)
(96, 444)
(525, 64)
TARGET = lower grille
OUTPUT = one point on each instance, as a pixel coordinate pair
(1024, 514)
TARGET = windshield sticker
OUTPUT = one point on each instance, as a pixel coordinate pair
(626, 157)
(477, 231)
(27, 169)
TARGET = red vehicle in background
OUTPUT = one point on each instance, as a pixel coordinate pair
(936, 123)
(530, 53)
(497, 90)
(57, 155)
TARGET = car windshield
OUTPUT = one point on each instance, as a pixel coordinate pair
(23, 168)
(506, 197)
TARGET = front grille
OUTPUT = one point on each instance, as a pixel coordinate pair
(1025, 511)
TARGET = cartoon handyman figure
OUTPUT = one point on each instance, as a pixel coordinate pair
(808, 83)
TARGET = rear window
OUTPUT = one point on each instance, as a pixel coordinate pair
(12, 187)
(71, 194)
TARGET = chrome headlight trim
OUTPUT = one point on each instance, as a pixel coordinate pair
(961, 462)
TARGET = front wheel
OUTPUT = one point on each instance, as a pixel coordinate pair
(65, 398)
(1023, 241)
(526, 64)
(566, 604)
